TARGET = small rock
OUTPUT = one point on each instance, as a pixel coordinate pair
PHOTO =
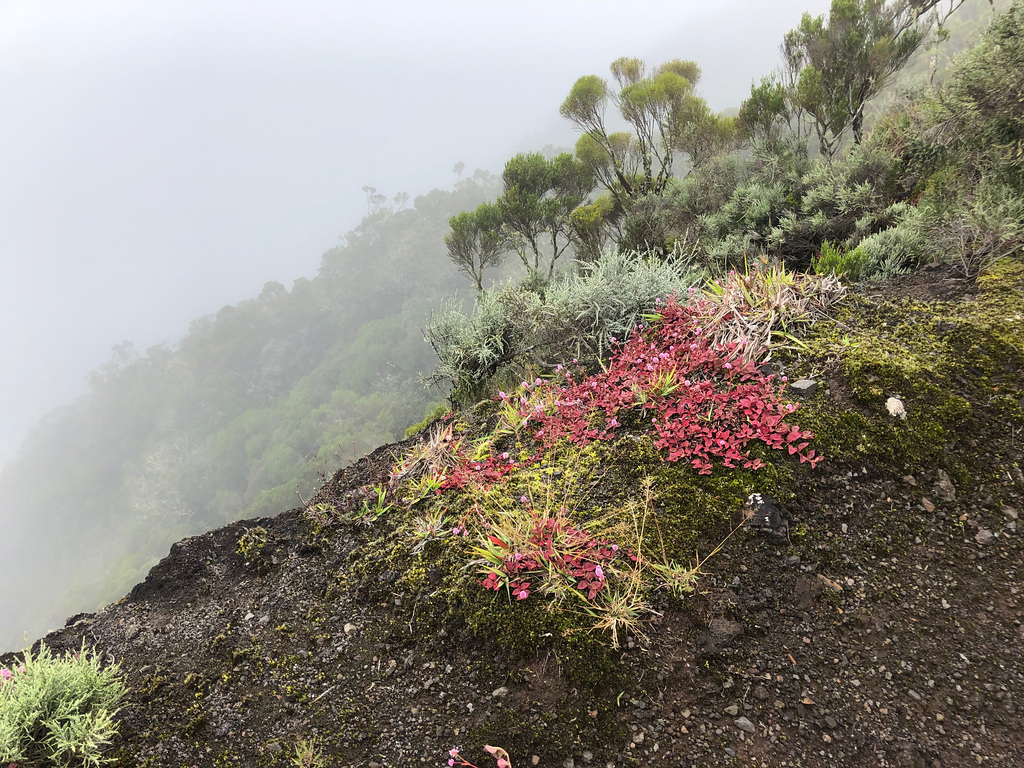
(793, 560)
(273, 748)
(832, 585)
(497, 693)
(760, 693)
(730, 752)
(638, 737)
(830, 721)
(588, 756)
(351, 629)
(805, 591)
(732, 710)
(745, 725)
(535, 760)
(250, 616)
(569, 763)
(945, 605)
(944, 487)
(927, 504)
(1010, 513)
(896, 408)
(909, 480)
(984, 536)
(804, 387)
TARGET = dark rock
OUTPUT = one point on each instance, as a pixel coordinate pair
(805, 590)
(804, 387)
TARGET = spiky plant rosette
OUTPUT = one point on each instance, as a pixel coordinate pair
(765, 308)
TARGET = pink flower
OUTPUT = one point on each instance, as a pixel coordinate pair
(599, 572)
(728, 365)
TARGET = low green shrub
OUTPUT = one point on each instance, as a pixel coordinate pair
(58, 711)
(841, 262)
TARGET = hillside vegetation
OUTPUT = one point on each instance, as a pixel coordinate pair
(738, 486)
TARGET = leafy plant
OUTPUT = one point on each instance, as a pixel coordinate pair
(58, 711)
(753, 308)
(307, 755)
(252, 542)
(841, 262)
(431, 457)
(515, 329)
(429, 527)
(527, 550)
(375, 506)
(723, 403)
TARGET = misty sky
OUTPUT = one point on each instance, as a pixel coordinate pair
(161, 159)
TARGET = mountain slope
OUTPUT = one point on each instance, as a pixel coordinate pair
(878, 628)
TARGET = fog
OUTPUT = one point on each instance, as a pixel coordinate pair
(159, 160)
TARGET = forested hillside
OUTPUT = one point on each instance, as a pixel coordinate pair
(240, 418)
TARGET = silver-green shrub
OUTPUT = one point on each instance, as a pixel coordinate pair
(58, 712)
(535, 326)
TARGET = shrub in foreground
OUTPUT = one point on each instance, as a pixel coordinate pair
(58, 711)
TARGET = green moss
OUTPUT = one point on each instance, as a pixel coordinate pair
(955, 366)
(555, 733)
(252, 542)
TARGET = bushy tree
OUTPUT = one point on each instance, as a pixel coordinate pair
(664, 115)
(476, 241)
(536, 206)
(837, 64)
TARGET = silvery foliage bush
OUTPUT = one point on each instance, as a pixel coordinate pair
(58, 712)
(896, 250)
(531, 326)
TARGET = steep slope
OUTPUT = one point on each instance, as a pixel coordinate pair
(253, 406)
(877, 626)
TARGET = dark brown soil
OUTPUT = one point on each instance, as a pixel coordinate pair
(883, 628)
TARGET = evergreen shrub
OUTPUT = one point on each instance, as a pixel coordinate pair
(58, 712)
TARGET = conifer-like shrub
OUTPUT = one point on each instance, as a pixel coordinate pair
(58, 712)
